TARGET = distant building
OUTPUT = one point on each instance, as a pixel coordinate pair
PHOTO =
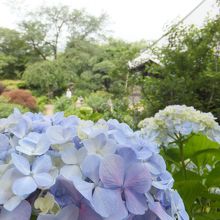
(143, 63)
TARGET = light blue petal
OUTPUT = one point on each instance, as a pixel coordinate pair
(43, 180)
(135, 202)
(4, 142)
(43, 145)
(13, 202)
(156, 164)
(71, 172)
(42, 164)
(22, 212)
(112, 171)
(21, 163)
(55, 134)
(20, 129)
(90, 167)
(24, 186)
(69, 156)
(85, 188)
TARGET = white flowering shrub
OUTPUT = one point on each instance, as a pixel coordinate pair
(189, 141)
(175, 120)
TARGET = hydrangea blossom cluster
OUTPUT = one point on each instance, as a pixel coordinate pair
(58, 167)
(177, 120)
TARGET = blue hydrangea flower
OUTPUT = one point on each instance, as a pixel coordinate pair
(33, 144)
(33, 176)
(95, 171)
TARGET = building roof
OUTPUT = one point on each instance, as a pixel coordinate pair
(143, 59)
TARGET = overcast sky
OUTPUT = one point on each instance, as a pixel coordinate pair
(131, 20)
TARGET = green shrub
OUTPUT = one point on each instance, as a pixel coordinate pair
(99, 101)
(7, 108)
(41, 102)
(11, 84)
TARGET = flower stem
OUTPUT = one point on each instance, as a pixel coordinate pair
(180, 144)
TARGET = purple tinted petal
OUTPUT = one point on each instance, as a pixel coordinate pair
(138, 178)
(159, 211)
(87, 212)
(109, 203)
(70, 212)
(22, 212)
(65, 193)
(135, 202)
(112, 171)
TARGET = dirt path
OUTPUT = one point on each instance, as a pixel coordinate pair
(49, 109)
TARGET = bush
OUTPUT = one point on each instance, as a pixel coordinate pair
(99, 101)
(63, 103)
(21, 97)
(48, 77)
(7, 108)
(12, 84)
(2, 88)
(41, 102)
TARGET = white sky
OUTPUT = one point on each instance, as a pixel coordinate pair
(131, 20)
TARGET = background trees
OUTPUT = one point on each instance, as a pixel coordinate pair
(190, 70)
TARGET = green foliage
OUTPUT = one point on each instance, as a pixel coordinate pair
(41, 102)
(196, 170)
(11, 84)
(190, 70)
(49, 77)
(99, 101)
(14, 53)
(7, 108)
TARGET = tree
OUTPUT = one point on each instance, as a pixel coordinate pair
(44, 28)
(190, 70)
(48, 77)
(14, 53)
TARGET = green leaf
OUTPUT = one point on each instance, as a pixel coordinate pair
(213, 178)
(190, 188)
(201, 150)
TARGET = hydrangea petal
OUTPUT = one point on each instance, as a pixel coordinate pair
(69, 156)
(21, 163)
(90, 167)
(24, 186)
(138, 178)
(70, 212)
(107, 202)
(43, 179)
(42, 164)
(71, 171)
(22, 212)
(135, 202)
(159, 211)
(112, 171)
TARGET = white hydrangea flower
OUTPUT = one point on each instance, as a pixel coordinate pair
(179, 119)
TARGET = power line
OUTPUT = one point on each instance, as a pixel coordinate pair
(176, 25)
